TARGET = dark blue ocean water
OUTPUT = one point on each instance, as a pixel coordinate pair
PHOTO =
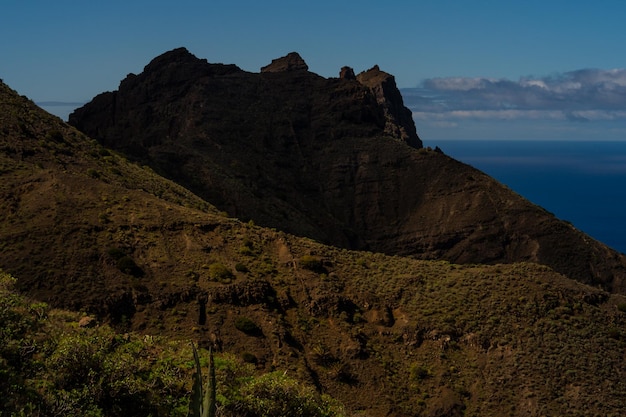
(581, 182)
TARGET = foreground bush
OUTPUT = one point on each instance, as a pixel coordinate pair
(49, 366)
(277, 395)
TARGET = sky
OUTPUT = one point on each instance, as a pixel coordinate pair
(530, 70)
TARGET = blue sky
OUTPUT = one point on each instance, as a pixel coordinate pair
(468, 69)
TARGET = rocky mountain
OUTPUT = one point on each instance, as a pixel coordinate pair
(337, 160)
(84, 228)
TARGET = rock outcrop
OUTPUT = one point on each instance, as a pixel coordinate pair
(398, 119)
(347, 73)
(337, 160)
(291, 62)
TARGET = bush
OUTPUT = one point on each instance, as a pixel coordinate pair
(247, 326)
(93, 173)
(50, 366)
(127, 265)
(249, 357)
(419, 372)
(116, 253)
(219, 272)
(312, 263)
(55, 136)
(277, 395)
(622, 307)
(247, 247)
(246, 251)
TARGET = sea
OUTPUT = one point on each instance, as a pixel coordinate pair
(582, 182)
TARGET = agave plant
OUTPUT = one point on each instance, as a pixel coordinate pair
(202, 402)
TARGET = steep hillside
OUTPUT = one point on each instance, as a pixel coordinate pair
(65, 201)
(337, 160)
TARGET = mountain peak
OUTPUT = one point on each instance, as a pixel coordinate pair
(290, 62)
(175, 56)
(180, 65)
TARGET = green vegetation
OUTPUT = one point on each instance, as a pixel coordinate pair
(247, 247)
(220, 273)
(93, 173)
(127, 265)
(55, 135)
(312, 263)
(124, 262)
(249, 357)
(202, 403)
(247, 326)
(116, 253)
(277, 395)
(49, 366)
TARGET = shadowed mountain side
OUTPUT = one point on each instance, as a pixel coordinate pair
(328, 159)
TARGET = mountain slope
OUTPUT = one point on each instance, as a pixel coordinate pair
(328, 159)
(65, 201)
(83, 228)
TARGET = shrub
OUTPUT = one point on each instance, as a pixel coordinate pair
(104, 152)
(50, 366)
(622, 307)
(116, 253)
(56, 136)
(277, 395)
(219, 272)
(247, 247)
(239, 267)
(127, 265)
(93, 173)
(312, 263)
(249, 357)
(246, 251)
(419, 372)
(247, 326)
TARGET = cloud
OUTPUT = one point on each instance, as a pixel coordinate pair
(587, 95)
(507, 114)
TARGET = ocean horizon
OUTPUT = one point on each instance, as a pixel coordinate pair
(582, 182)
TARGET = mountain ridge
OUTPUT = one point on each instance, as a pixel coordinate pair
(328, 159)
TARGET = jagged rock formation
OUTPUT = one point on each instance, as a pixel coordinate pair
(328, 159)
(398, 119)
(347, 73)
(291, 62)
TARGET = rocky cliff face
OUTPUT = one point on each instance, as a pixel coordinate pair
(337, 160)
(398, 119)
